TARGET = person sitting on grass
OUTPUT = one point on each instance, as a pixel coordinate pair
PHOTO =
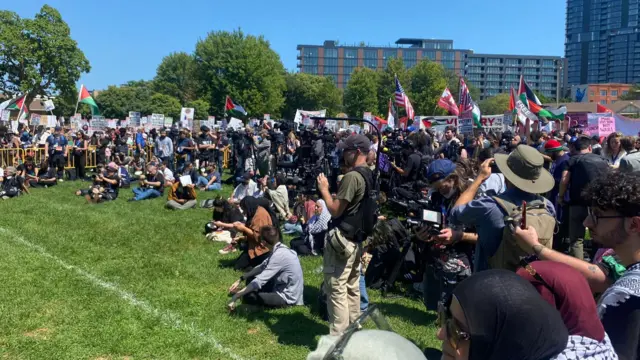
(181, 197)
(137, 166)
(259, 213)
(247, 187)
(151, 186)
(163, 167)
(28, 170)
(277, 281)
(213, 180)
(45, 176)
(12, 184)
(278, 193)
(190, 170)
(106, 186)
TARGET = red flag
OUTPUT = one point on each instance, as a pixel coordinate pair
(448, 103)
(602, 109)
(512, 101)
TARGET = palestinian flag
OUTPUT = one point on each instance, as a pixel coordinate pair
(17, 104)
(232, 107)
(85, 98)
(512, 101)
(525, 89)
(554, 114)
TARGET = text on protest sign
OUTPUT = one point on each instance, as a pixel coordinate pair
(465, 126)
(606, 125)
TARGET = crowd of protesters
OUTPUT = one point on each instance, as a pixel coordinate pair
(537, 256)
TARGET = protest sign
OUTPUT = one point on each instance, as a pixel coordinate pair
(465, 126)
(4, 115)
(186, 117)
(437, 123)
(35, 119)
(267, 117)
(124, 123)
(112, 123)
(581, 119)
(591, 130)
(302, 116)
(355, 128)
(49, 106)
(157, 121)
(235, 124)
(98, 123)
(492, 122)
(134, 118)
(606, 125)
(331, 124)
(49, 120)
(168, 121)
(507, 118)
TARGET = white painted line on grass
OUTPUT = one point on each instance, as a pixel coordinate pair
(169, 318)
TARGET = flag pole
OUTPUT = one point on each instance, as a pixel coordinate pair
(24, 100)
(78, 101)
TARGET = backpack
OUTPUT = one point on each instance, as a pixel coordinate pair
(11, 187)
(509, 253)
(359, 226)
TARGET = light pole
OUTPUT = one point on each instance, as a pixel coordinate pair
(558, 69)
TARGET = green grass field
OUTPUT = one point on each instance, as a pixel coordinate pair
(136, 281)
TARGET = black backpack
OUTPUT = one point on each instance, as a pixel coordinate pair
(11, 187)
(361, 225)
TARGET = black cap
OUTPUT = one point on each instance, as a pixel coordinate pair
(204, 128)
(359, 142)
(58, 128)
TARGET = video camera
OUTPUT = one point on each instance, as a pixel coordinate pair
(420, 213)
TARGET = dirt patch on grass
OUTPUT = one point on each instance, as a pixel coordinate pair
(253, 331)
(38, 334)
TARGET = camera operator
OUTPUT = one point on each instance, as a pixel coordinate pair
(263, 152)
(451, 148)
(410, 173)
(106, 185)
(55, 150)
(447, 260)
(343, 249)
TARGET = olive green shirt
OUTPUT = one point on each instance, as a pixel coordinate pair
(352, 189)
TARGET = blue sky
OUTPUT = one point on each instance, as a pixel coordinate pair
(127, 39)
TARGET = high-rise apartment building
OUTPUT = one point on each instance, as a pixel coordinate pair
(602, 43)
(492, 74)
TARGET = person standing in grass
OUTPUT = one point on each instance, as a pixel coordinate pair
(277, 281)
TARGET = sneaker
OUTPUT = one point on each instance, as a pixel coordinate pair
(60, 180)
(228, 250)
(314, 253)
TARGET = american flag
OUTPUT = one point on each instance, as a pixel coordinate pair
(402, 100)
(466, 103)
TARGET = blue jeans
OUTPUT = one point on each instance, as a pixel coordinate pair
(364, 298)
(214, 186)
(203, 181)
(288, 227)
(143, 194)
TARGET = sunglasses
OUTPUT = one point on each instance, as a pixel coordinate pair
(449, 324)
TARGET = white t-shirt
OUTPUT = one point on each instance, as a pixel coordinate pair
(1, 172)
(168, 174)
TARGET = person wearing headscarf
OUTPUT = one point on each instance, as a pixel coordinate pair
(258, 213)
(369, 345)
(568, 291)
(497, 315)
(317, 226)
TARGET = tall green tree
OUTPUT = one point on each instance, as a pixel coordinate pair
(177, 76)
(164, 104)
(243, 67)
(361, 94)
(201, 108)
(38, 55)
(310, 92)
(495, 105)
(387, 83)
(427, 82)
(117, 101)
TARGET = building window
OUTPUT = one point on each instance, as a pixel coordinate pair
(493, 70)
(512, 62)
(530, 62)
(493, 77)
(346, 79)
(431, 55)
(548, 63)
(371, 59)
(330, 70)
(331, 53)
(350, 53)
(592, 93)
(493, 61)
(603, 92)
(448, 55)
(448, 64)
(624, 92)
(613, 101)
(530, 71)
(311, 69)
(409, 54)
(475, 61)
(388, 55)
(614, 92)
(603, 102)
(512, 70)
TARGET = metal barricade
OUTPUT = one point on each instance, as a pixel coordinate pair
(11, 157)
(226, 156)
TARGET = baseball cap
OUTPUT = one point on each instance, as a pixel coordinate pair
(58, 128)
(440, 169)
(204, 128)
(355, 142)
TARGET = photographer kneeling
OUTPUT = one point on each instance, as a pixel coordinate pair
(447, 258)
(410, 173)
(277, 281)
(106, 184)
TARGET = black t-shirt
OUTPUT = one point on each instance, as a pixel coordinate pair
(112, 188)
(155, 178)
(205, 139)
(412, 169)
(584, 169)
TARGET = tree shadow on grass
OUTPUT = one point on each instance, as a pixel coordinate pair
(417, 317)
